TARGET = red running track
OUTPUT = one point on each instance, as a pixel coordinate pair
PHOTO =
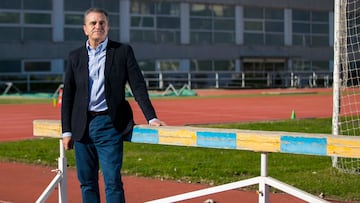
(23, 183)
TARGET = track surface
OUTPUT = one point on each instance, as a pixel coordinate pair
(24, 183)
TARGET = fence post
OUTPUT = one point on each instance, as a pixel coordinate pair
(189, 79)
(217, 80)
(242, 79)
(161, 82)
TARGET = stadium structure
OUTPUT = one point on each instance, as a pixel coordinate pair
(268, 43)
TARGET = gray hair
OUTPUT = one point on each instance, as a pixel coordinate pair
(96, 10)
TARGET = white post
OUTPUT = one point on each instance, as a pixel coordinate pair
(217, 80)
(62, 166)
(59, 180)
(263, 187)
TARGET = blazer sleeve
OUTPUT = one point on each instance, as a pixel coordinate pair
(68, 92)
(138, 85)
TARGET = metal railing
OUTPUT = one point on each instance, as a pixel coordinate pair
(160, 80)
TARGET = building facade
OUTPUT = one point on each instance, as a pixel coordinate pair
(172, 35)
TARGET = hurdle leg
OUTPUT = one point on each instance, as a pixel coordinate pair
(62, 165)
(263, 187)
(59, 180)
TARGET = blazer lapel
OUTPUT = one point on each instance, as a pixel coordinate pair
(84, 63)
(109, 58)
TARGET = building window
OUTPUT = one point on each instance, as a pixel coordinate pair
(37, 18)
(9, 18)
(146, 65)
(263, 26)
(26, 20)
(212, 23)
(307, 65)
(212, 65)
(310, 28)
(10, 66)
(37, 66)
(10, 4)
(168, 65)
(157, 22)
(45, 5)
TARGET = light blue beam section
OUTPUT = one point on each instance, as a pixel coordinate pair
(145, 135)
(216, 140)
(303, 145)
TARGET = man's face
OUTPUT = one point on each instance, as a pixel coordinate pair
(96, 27)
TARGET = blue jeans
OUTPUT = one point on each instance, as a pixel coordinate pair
(104, 144)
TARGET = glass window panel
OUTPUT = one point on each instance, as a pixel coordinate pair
(320, 16)
(43, 34)
(299, 15)
(276, 14)
(224, 65)
(141, 7)
(196, 23)
(168, 36)
(149, 36)
(303, 40)
(38, 5)
(301, 28)
(253, 26)
(74, 19)
(74, 34)
(168, 22)
(37, 66)
(10, 66)
(224, 37)
(301, 65)
(140, 21)
(136, 21)
(142, 35)
(146, 65)
(197, 65)
(274, 26)
(10, 4)
(201, 10)
(220, 24)
(224, 11)
(229, 11)
(274, 39)
(320, 41)
(169, 65)
(71, 5)
(320, 28)
(253, 13)
(113, 20)
(10, 34)
(254, 39)
(108, 5)
(6, 17)
(114, 34)
(37, 18)
(167, 8)
(320, 65)
(201, 37)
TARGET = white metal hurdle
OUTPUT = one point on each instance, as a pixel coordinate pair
(259, 141)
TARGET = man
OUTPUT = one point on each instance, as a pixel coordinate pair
(95, 116)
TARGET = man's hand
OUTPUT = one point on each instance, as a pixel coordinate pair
(156, 122)
(68, 143)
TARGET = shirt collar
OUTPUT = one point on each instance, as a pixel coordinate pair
(101, 47)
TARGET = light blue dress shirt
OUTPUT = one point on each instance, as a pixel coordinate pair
(97, 57)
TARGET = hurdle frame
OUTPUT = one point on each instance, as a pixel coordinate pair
(59, 180)
(263, 142)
